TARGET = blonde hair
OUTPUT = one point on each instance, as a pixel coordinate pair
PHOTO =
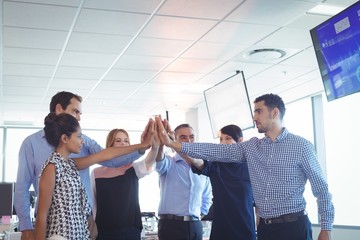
(110, 139)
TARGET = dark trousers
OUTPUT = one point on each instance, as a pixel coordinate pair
(179, 230)
(130, 233)
(298, 230)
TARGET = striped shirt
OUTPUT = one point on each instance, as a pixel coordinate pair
(278, 172)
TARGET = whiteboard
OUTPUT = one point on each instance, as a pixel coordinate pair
(228, 103)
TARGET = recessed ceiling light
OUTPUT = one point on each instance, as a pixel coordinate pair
(327, 10)
(265, 54)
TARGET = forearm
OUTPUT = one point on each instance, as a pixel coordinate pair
(151, 157)
(198, 163)
(40, 228)
(22, 204)
(160, 154)
(107, 154)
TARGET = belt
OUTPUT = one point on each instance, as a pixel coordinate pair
(290, 217)
(178, 218)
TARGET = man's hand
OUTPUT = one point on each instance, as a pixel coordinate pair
(155, 140)
(27, 235)
(164, 135)
(324, 235)
(168, 129)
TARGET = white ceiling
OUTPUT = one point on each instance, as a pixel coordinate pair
(131, 59)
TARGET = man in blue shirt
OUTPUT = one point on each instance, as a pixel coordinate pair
(279, 166)
(184, 196)
(35, 150)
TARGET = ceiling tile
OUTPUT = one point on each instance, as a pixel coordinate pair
(97, 43)
(209, 9)
(213, 51)
(158, 47)
(177, 28)
(192, 65)
(33, 38)
(30, 56)
(86, 59)
(110, 22)
(41, 16)
(137, 6)
(142, 62)
(274, 12)
(233, 32)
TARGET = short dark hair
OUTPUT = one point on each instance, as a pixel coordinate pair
(63, 98)
(184, 125)
(233, 131)
(272, 101)
(57, 125)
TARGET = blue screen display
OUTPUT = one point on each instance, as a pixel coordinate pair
(337, 47)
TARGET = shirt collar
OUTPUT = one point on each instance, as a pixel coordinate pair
(281, 136)
(177, 157)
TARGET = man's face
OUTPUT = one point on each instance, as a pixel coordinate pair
(185, 134)
(262, 117)
(74, 108)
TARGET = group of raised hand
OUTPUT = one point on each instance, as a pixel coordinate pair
(158, 132)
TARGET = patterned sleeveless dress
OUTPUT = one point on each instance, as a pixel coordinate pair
(69, 208)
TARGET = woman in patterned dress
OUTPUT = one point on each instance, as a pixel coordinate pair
(63, 206)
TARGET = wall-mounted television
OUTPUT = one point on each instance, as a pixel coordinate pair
(337, 47)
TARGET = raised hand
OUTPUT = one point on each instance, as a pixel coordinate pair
(147, 135)
(162, 133)
(155, 140)
(168, 129)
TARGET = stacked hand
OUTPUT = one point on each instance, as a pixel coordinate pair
(148, 134)
(166, 135)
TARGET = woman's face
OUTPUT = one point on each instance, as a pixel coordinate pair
(121, 140)
(226, 139)
(75, 142)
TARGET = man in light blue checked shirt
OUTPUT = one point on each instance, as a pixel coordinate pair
(279, 166)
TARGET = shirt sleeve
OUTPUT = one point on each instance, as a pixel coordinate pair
(206, 197)
(140, 168)
(25, 175)
(319, 187)
(163, 165)
(204, 171)
(214, 151)
(93, 147)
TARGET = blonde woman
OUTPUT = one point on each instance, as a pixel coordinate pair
(116, 192)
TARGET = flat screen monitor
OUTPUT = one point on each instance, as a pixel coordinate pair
(337, 48)
(228, 103)
(6, 198)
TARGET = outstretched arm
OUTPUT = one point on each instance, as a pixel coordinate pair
(152, 155)
(112, 152)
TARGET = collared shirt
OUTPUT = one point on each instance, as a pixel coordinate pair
(182, 192)
(34, 151)
(278, 172)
